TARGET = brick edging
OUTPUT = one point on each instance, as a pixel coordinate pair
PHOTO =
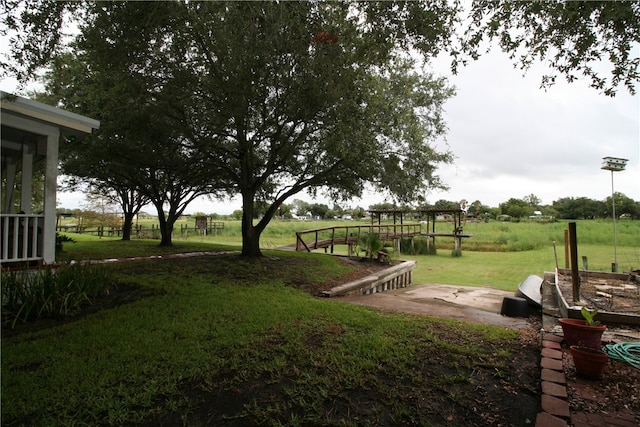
(554, 402)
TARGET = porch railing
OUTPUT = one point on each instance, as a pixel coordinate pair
(22, 237)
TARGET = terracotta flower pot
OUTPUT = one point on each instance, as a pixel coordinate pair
(576, 332)
(590, 363)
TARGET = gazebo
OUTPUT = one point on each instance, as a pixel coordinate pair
(31, 134)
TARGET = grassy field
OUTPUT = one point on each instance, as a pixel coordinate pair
(499, 255)
(219, 340)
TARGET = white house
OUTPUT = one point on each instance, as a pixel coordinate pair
(31, 134)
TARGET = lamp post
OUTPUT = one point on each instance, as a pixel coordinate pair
(614, 164)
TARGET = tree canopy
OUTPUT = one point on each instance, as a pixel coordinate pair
(597, 40)
(263, 99)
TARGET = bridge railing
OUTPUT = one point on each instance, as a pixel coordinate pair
(349, 234)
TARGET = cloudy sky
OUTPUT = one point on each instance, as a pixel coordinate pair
(512, 139)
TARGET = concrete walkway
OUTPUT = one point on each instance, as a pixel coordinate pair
(465, 303)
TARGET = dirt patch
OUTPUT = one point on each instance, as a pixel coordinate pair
(616, 392)
(607, 294)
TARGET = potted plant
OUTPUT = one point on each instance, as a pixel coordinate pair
(589, 362)
(585, 332)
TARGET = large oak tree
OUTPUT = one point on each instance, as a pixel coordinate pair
(270, 98)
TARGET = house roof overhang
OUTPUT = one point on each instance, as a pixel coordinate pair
(66, 121)
(25, 121)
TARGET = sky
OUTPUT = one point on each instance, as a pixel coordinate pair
(510, 139)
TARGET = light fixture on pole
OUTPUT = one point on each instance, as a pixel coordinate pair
(614, 164)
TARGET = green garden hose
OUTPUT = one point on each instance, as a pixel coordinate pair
(626, 351)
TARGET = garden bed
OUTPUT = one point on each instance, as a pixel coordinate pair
(615, 295)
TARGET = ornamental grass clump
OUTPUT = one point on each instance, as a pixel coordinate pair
(51, 291)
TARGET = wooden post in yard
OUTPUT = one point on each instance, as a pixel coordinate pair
(575, 276)
(566, 248)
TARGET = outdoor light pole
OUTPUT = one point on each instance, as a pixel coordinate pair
(614, 164)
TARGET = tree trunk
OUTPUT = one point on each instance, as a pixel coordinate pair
(250, 235)
(166, 227)
(127, 225)
(166, 231)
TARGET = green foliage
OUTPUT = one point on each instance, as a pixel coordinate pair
(579, 208)
(32, 294)
(371, 244)
(516, 208)
(569, 37)
(61, 239)
(589, 316)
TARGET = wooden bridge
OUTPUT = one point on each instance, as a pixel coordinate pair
(328, 237)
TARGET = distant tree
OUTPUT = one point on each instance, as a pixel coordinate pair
(549, 211)
(480, 211)
(493, 212)
(579, 208)
(383, 206)
(300, 207)
(446, 204)
(358, 212)
(532, 200)
(516, 208)
(237, 214)
(636, 212)
(284, 211)
(624, 205)
(318, 210)
(337, 210)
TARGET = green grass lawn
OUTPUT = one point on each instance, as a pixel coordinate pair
(237, 338)
(224, 340)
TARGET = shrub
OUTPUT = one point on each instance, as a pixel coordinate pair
(32, 294)
(416, 246)
(60, 239)
(371, 244)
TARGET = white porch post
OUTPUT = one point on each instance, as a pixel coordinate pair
(27, 178)
(11, 187)
(50, 184)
